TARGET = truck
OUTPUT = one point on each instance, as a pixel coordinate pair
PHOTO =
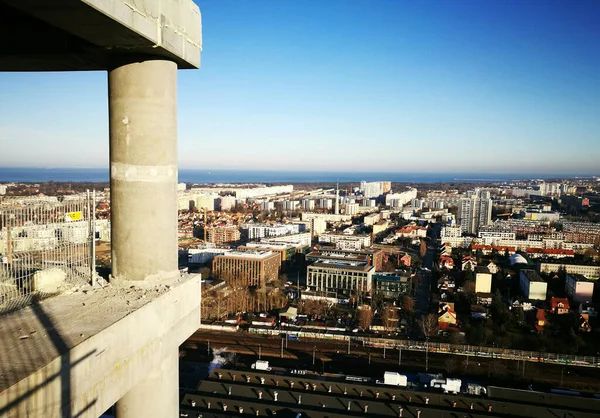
(394, 379)
(261, 365)
(476, 389)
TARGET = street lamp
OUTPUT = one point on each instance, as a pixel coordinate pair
(259, 351)
(314, 352)
(426, 354)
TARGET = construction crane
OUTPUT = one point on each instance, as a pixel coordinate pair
(205, 223)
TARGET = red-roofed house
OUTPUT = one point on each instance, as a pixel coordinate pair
(559, 306)
(469, 261)
(446, 262)
(550, 252)
(487, 249)
(405, 260)
(411, 231)
(446, 317)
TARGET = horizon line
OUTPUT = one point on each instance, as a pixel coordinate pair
(255, 170)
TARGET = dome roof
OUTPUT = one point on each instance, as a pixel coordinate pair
(517, 259)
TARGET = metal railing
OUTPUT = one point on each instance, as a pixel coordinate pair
(45, 247)
(444, 348)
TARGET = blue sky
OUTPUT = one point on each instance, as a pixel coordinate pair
(352, 85)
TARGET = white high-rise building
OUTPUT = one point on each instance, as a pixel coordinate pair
(267, 206)
(375, 188)
(326, 203)
(308, 204)
(352, 208)
(474, 212)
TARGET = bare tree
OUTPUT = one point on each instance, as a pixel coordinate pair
(407, 304)
(450, 364)
(422, 248)
(428, 325)
(365, 316)
(389, 317)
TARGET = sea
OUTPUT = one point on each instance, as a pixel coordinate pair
(37, 175)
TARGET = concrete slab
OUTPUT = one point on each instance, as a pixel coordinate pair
(77, 354)
(64, 35)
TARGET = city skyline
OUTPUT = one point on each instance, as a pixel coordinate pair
(338, 86)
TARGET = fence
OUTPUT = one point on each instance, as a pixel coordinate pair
(443, 348)
(45, 247)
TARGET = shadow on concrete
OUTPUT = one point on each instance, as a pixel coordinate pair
(66, 366)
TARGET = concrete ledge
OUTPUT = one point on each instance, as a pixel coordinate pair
(63, 35)
(76, 355)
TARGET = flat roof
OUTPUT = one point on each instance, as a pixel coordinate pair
(332, 266)
(249, 254)
(532, 275)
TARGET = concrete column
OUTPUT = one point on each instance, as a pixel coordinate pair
(143, 169)
(157, 396)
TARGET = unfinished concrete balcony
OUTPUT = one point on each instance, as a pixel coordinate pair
(78, 353)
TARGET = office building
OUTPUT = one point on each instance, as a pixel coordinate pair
(392, 285)
(247, 268)
(331, 276)
(301, 240)
(205, 255)
(372, 257)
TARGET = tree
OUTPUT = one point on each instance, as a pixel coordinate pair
(428, 325)
(365, 316)
(390, 317)
(407, 304)
(468, 273)
(422, 248)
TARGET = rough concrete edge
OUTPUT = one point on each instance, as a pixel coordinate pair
(52, 369)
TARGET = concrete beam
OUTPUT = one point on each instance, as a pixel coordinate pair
(70, 373)
(93, 31)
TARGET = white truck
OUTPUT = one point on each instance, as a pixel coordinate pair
(394, 379)
(261, 365)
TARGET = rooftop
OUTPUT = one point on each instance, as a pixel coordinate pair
(532, 275)
(335, 398)
(247, 254)
(338, 266)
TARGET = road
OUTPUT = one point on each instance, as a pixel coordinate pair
(423, 292)
(332, 356)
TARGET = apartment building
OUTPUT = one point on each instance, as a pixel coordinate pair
(258, 231)
(579, 288)
(375, 188)
(532, 285)
(223, 235)
(590, 271)
(346, 241)
(474, 212)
